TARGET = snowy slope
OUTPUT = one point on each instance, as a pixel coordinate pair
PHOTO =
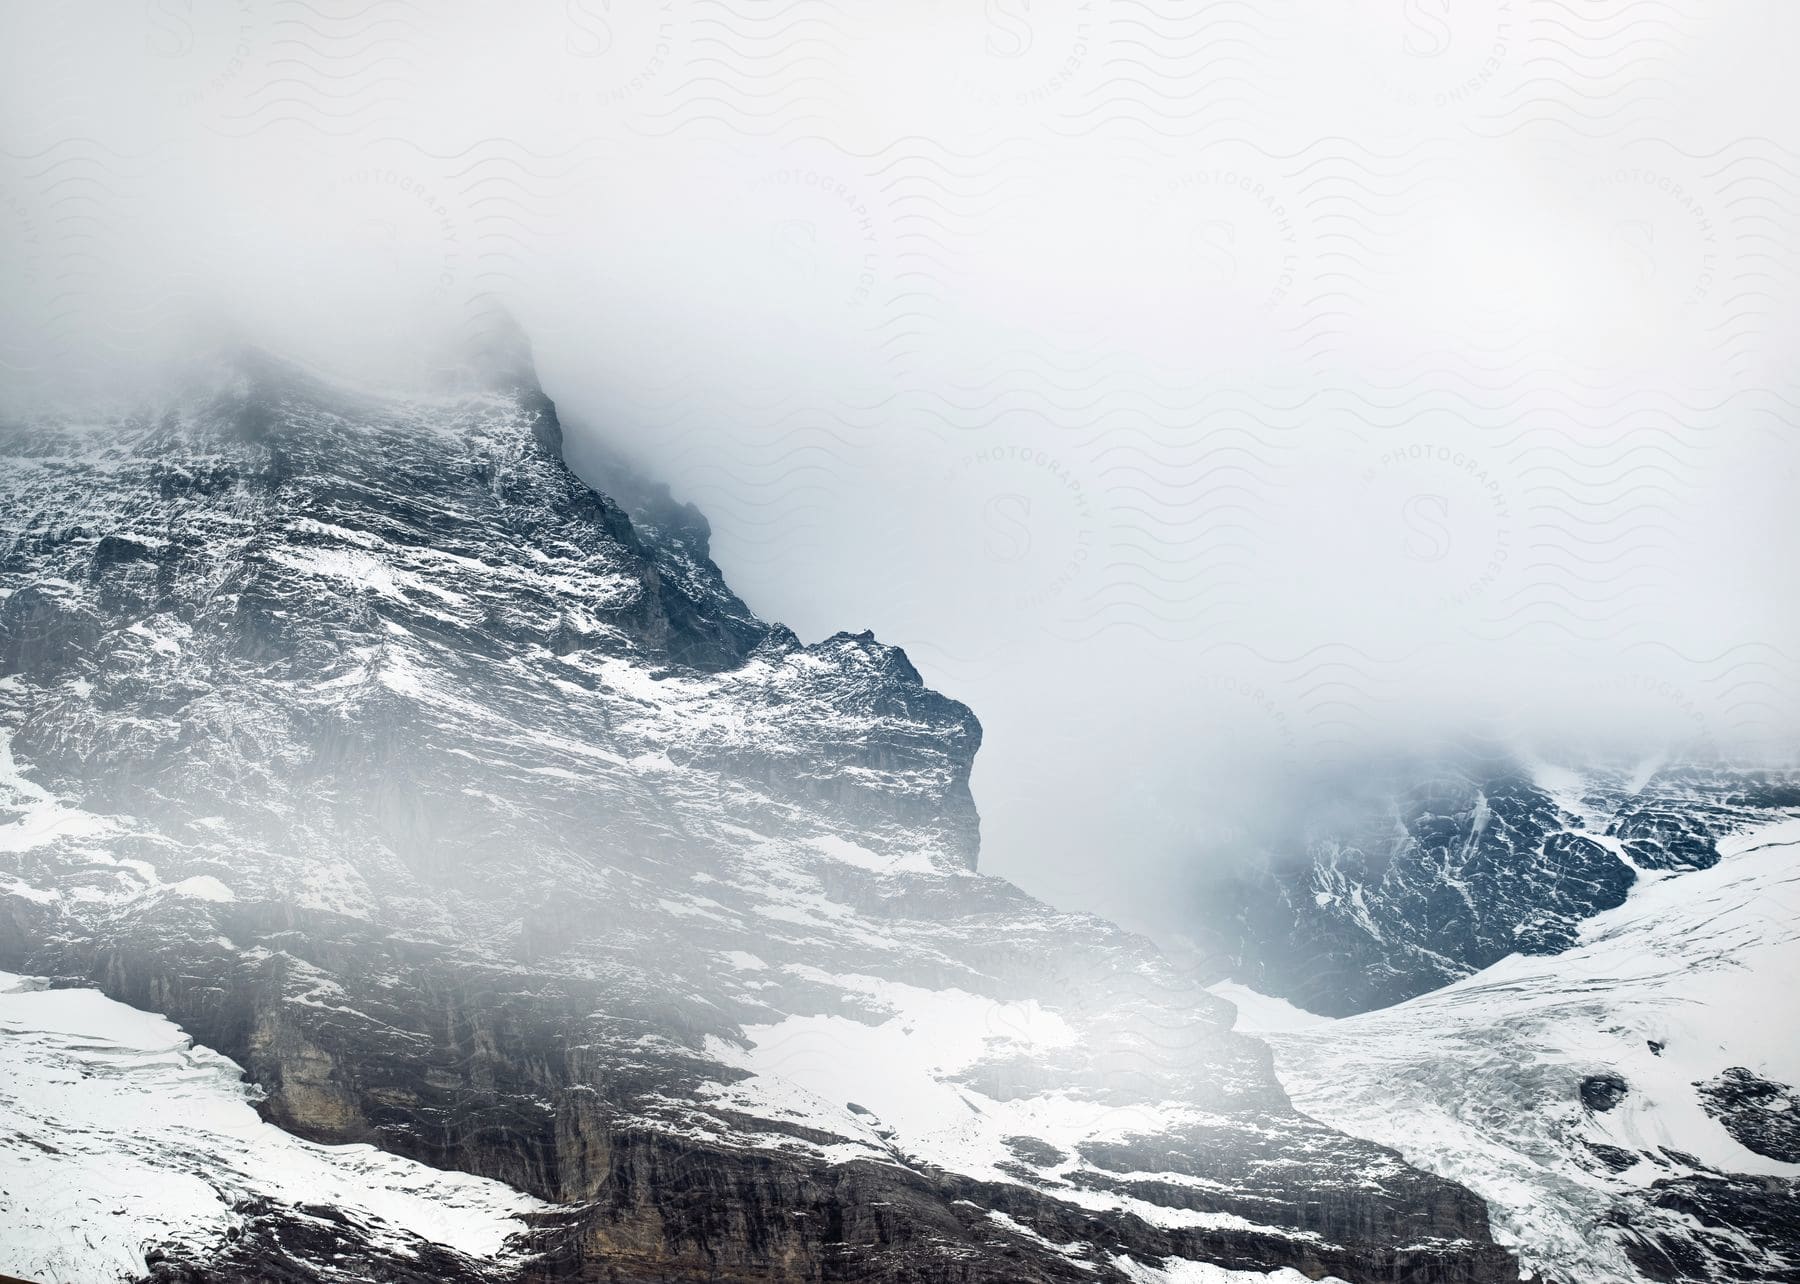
(1483, 1080)
(119, 1136)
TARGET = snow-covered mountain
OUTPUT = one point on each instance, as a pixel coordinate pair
(1405, 876)
(476, 819)
(1628, 1108)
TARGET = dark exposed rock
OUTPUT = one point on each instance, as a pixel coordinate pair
(1615, 1158)
(45, 628)
(1698, 1229)
(1394, 893)
(1035, 1151)
(1761, 1114)
(1449, 866)
(1603, 1091)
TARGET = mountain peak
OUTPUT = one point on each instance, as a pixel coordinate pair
(498, 354)
(480, 822)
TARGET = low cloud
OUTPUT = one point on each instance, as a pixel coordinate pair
(1209, 400)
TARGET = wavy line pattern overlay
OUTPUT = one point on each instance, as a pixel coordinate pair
(1159, 374)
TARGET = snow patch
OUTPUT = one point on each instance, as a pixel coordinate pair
(839, 848)
(118, 1134)
(894, 1086)
(1259, 1013)
(204, 887)
(1179, 1270)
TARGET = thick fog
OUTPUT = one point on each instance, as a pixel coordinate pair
(1213, 397)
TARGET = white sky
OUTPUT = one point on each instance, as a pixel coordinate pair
(1200, 392)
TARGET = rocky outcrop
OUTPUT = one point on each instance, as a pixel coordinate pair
(1603, 1091)
(472, 814)
(1714, 1226)
(1760, 1114)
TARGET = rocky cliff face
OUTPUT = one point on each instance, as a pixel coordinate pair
(1428, 871)
(478, 820)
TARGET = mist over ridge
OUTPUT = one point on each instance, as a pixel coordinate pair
(1350, 402)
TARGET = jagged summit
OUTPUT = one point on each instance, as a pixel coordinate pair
(469, 811)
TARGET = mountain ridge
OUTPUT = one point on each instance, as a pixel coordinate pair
(480, 823)
(1427, 870)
